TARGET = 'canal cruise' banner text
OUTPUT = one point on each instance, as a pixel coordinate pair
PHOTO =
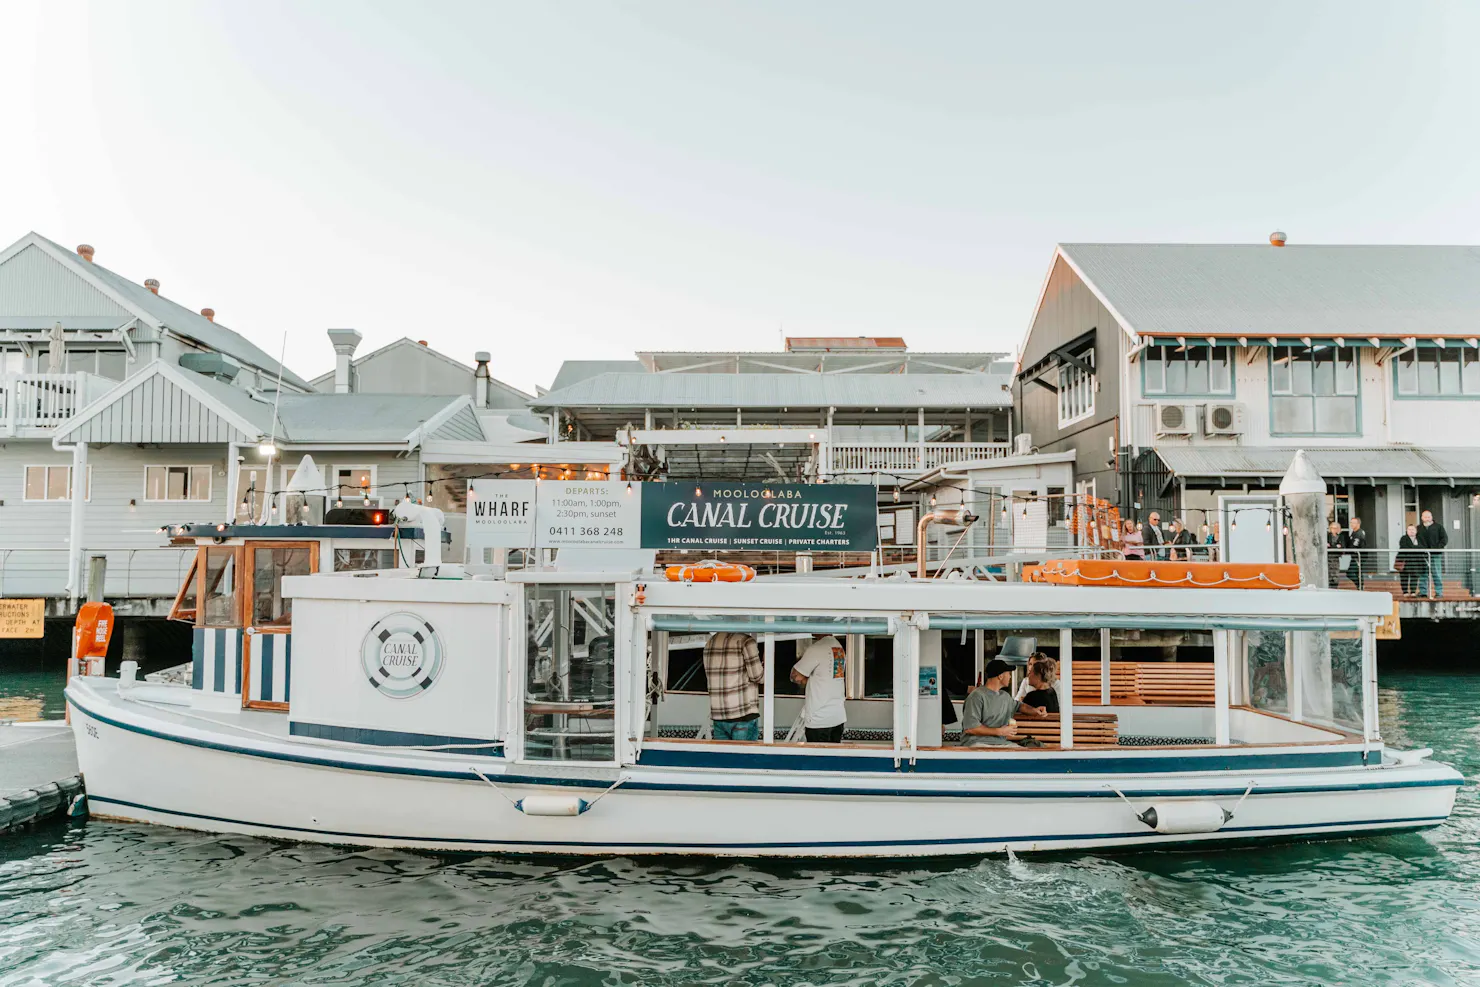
(714, 516)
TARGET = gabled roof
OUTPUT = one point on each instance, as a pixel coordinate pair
(574, 371)
(515, 397)
(156, 310)
(168, 404)
(784, 390)
(1257, 290)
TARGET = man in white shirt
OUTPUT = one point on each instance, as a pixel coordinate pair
(823, 669)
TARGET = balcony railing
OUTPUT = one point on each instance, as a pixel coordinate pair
(38, 402)
(909, 457)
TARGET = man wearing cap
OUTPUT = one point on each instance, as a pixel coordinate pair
(986, 716)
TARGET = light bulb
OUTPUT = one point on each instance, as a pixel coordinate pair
(629, 486)
(932, 500)
(896, 495)
(338, 502)
(1268, 526)
(698, 492)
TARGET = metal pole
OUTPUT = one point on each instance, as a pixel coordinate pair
(768, 704)
(1104, 666)
(1066, 675)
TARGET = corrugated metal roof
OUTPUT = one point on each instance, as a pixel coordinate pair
(356, 417)
(1286, 291)
(178, 318)
(572, 372)
(674, 390)
(1353, 463)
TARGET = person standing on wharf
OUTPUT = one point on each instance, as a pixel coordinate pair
(822, 670)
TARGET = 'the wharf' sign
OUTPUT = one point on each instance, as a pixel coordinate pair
(787, 517)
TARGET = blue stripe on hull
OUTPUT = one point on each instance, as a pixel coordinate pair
(783, 789)
(947, 845)
(393, 738)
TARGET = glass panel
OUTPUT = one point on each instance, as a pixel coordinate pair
(200, 483)
(1301, 374)
(251, 491)
(1268, 688)
(154, 486)
(570, 653)
(1221, 371)
(1292, 415)
(185, 604)
(175, 481)
(1470, 374)
(1346, 681)
(81, 360)
(363, 559)
(354, 482)
(1176, 373)
(112, 364)
(1197, 370)
(58, 483)
(1156, 372)
(1428, 372)
(269, 566)
(1279, 371)
(221, 608)
(1336, 415)
(1408, 373)
(1324, 365)
(1346, 370)
(1448, 372)
(35, 482)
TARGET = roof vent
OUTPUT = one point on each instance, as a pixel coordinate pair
(422, 342)
(85, 251)
(1277, 238)
(152, 285)
(209, 313)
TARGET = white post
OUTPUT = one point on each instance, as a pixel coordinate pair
(233, 480)
(920, 440)
(75, 526)
(1066, 675)
(1294, 681)
(1371, 728)
(1220, 687)
(978, 656)
(768, 700)
(1104, 666)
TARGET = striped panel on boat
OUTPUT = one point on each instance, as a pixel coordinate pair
(216, 660)
(271, 668)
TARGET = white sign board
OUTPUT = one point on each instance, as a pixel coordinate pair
(588, 514)
(500, 514)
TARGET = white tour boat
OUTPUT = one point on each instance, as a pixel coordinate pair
(545, 711)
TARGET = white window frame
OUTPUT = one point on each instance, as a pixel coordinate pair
(372, 493)
(46, 485)
(210, 483)
(1076, 387)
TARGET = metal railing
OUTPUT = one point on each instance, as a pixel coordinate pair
(1407, 573)
(132, 572)
(43, 401)
(909, 457)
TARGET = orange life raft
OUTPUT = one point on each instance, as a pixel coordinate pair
(711, 571)
(1189, 575)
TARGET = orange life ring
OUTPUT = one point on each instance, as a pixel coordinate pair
(711, 571)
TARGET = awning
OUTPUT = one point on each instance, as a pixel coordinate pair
(1242, 464)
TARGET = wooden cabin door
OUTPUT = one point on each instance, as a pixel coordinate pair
(267, 651)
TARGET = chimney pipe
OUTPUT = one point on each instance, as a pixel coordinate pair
(85, 251)
(209, 313)
(344, 342)
(480, 379)
(1277, 238)
(152, 285)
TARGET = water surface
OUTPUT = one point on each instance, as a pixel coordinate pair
(114, 904)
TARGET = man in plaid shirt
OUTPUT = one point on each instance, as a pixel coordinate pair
(733, 665)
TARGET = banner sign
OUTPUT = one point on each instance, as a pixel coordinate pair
(22, 618)
(587, 514)
(787, 517)
(500, 514)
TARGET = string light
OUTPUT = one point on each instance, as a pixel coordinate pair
(698, 492)
(932, 500)
(896, 495)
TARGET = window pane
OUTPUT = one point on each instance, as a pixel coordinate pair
(1428, 372)
(83, 360)
(1408, 374)
(1279, 371)
(1176, 373)
(200, 483)
(355, 482)
(364, 559)
(1336, 415)
(1220, 370)
(175, 478)
(1292, 415)
(1302, 380)
(1470, 375)
(35, 482)
(269, 566)
(1448, 371)
(221, 588)
(1324, 373)
(56, 482)
(154, 482)
(1156, 372)
(1197, 370)
(1346, 370)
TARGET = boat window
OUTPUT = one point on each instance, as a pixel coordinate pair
(1265, 682)
(269, 566)
(1346, 680)
(363, 559)
(220, 588)
(569, 694)
(185, 606)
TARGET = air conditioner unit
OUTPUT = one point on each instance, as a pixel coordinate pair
(1176, 419)
(1224, 419)
(1022, 444)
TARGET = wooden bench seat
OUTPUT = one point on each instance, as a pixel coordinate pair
(1090, 729)
(1146, 683)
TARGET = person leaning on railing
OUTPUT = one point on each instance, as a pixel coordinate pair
(1411, 564)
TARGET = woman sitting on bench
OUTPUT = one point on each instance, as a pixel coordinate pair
(1039, 687)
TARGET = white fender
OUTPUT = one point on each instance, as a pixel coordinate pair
(1185, 817)
(552, 805)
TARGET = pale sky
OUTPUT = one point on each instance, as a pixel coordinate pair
(553, 180)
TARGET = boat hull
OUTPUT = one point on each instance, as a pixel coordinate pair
(148, 768)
